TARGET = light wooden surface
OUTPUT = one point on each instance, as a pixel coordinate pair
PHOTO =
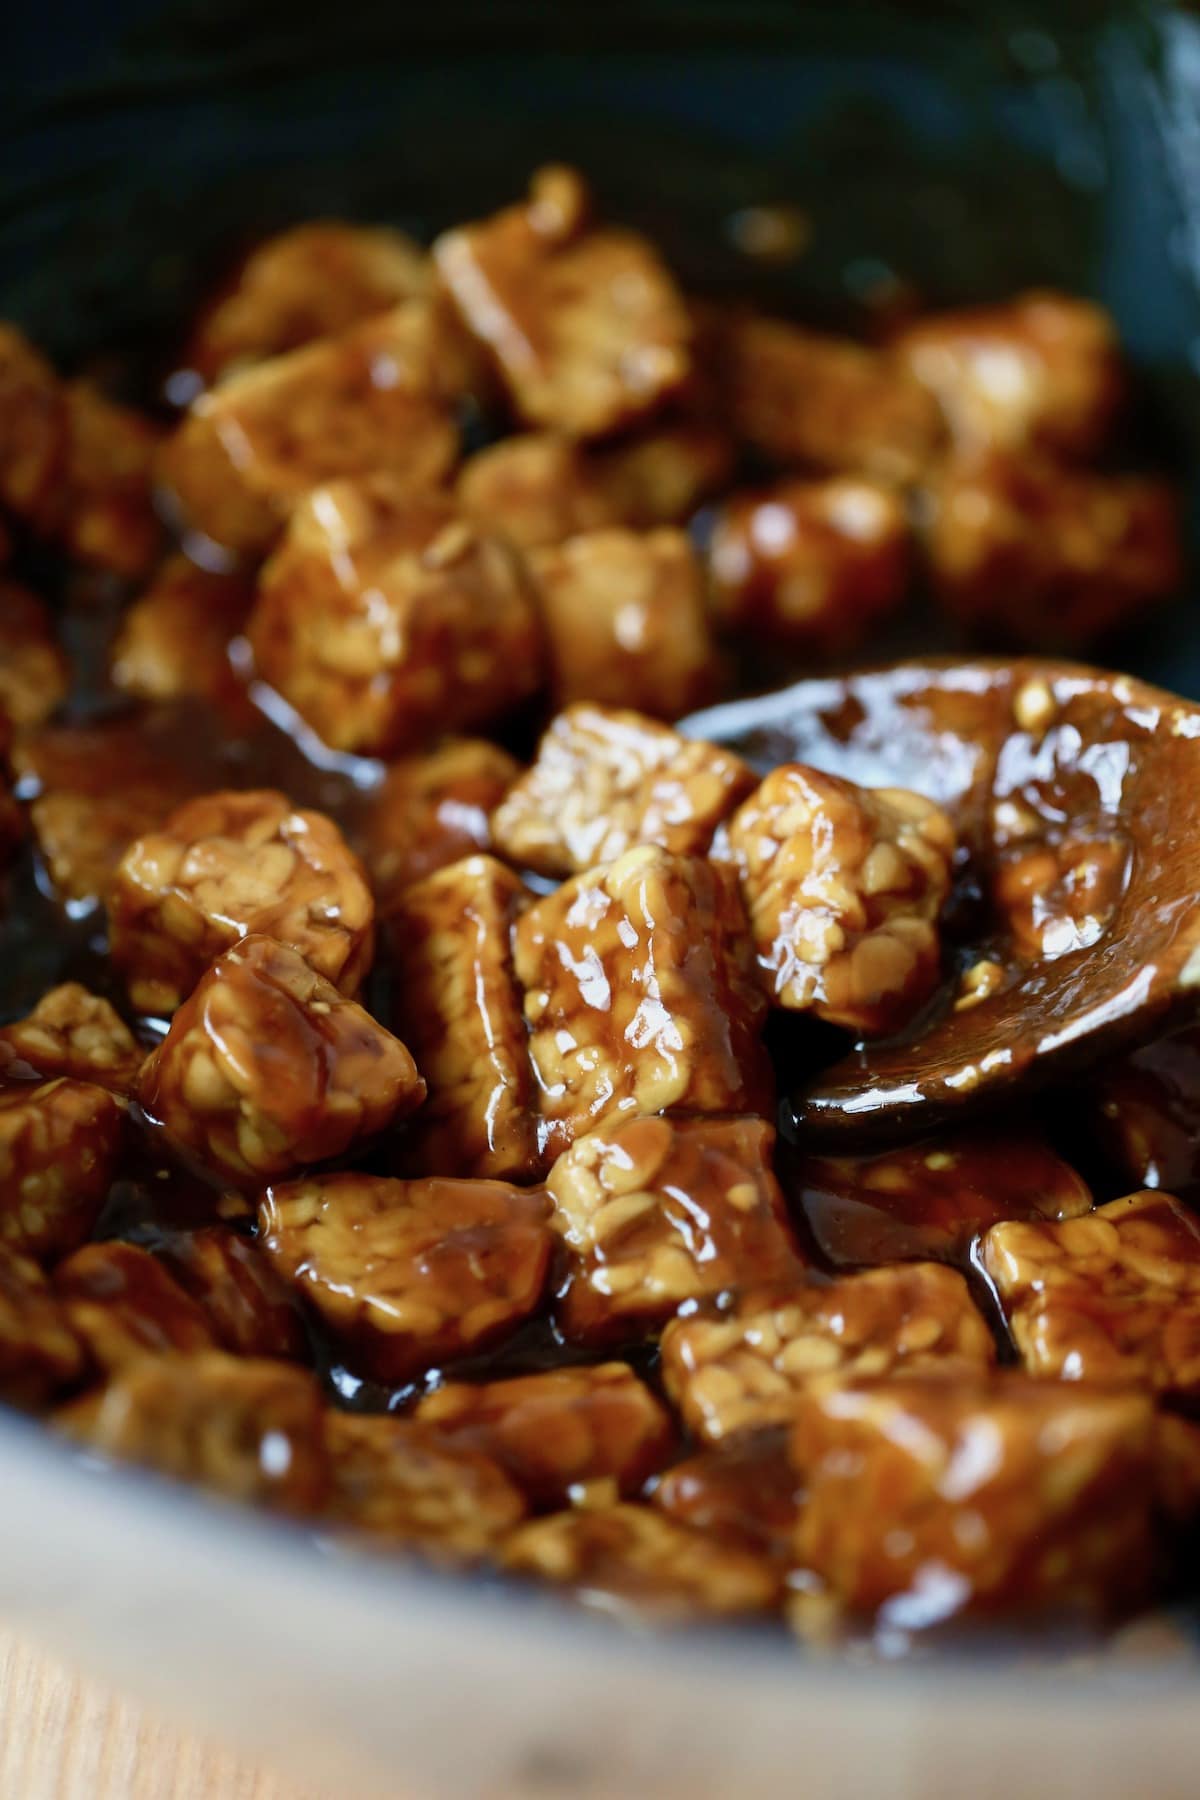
(62, 1738)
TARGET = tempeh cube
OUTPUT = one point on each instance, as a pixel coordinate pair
(654, 1213)
(75, 466)
(745, 1491)
(606, 780)
(535, 488)
(124, 1305)
(540, 487)
(640, 995)
(1042, 370)
(174, 640)
(635, 1561)
(843, 886)
(585, 324)
(249, 1428)
(94, 789)
(930, 1498)
(59, 1145)
(407, 1275)
(432, 810)
(34, 671)
(106, 511)
(310, 281)
(267, 1067)
(402, 1485)
(826, 402)
(386, 619)
(558, 1433)
(374, 398)
(1031, 552)
(40, 1355)
(33, 429)
(742, 1371)
(814, 563)
(74, 1033)
(1112, 1296)
(229, 1278)
(227, 865)
(661, 476)
(458, 1006)
(626, 621)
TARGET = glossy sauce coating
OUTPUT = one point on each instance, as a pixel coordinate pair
(458, 1005)
(630, 1009)
(561, 1435)
(323, 1276)
(606, 779)
(227, 866)
(407, 1274)
(385, 618)
(1113, 1296)
(373, 398)
(655, 1213)
(267, 1067)
(741, 1371)
(585, 325)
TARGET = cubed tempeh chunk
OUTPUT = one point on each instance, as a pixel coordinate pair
(535, 488)
(1042, 370)
(813, 563)
(227, 865)
(124, 1305)
(558, 1431)
(458, 1007)
(59, 1145)
(640, 995)
(310, 281)
(406, 1275)
(1112, 1296)
(386, 619)
(628, 1558)
(585, 324)
(605, 780)
(1031, 552)
(402, 1485)
(826, 402)
(930, 1498)
(34, 671)
(540, 487)
(742, 1371)
(249, 1428)
(74, 465)
(745, 1491)
(75, 1033)
(431, 810)
(843, 886)
(626, 621)
(174, 639)
(655, 1213)
(1057, 893)
(106, 513)
(33, 429)
(40, 1354)
(374, 398)
(229, 1278)
(94, 789)
(267, 1067)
